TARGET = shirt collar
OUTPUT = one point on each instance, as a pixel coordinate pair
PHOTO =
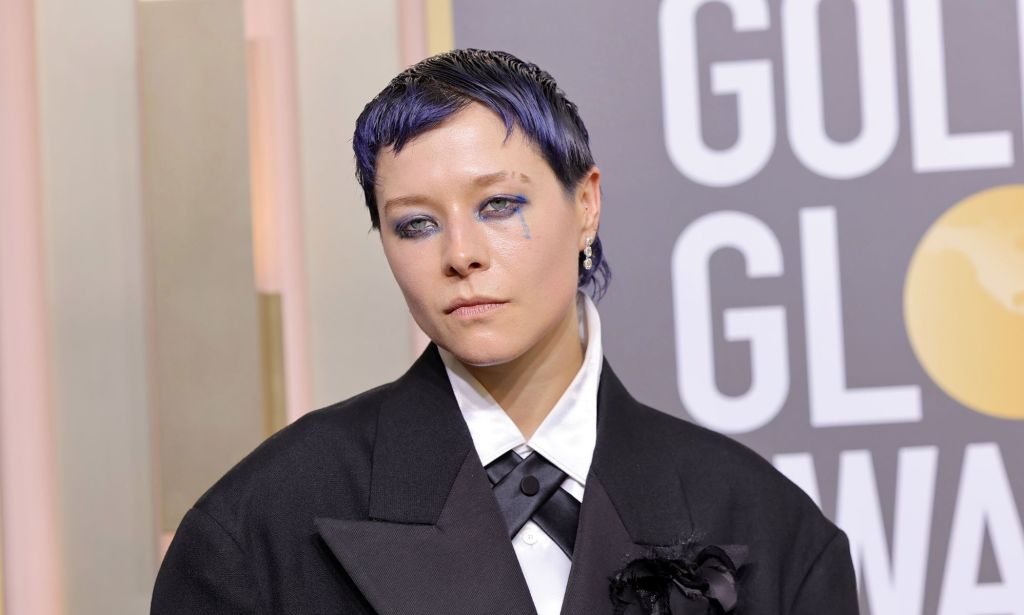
(567, 435)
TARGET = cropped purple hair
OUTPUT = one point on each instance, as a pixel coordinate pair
(520, 93)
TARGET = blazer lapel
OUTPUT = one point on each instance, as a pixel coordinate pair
(636, 463)
(633, 499)
(435, 541)
(602, 546)
(462, 564)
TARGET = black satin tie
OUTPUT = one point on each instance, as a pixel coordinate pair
(530, 489)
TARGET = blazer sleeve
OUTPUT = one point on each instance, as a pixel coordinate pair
(830, 585)
(204, 571)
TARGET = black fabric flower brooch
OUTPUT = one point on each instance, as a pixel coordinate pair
(687, 579)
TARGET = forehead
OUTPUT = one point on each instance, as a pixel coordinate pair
(471, 143)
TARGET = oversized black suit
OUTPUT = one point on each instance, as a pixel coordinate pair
(379, 504)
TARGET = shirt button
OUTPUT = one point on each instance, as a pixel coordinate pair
(530, 538)
(529, 485)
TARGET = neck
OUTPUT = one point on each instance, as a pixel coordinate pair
(528, 387)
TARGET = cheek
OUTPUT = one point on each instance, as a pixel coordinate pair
(543, 250)
(408, 266)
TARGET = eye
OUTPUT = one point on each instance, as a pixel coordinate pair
(415, 227)
(501, 206)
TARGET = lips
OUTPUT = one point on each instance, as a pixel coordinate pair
(473, 306)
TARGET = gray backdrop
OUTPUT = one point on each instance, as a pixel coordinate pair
(788, 224)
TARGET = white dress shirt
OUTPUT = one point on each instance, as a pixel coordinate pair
(566, 438)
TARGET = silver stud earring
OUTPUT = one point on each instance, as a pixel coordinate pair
(588, 253)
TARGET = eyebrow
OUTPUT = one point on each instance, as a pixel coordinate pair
(481, 181)
(412, 199)
(493, 178)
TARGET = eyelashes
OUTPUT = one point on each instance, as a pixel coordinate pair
(494, 208)
(416, 226)
(501, 207)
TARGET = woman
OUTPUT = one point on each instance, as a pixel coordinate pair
(508, 471)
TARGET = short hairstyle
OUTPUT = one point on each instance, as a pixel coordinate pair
(520, 93)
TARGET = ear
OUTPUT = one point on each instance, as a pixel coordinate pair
(588, 205)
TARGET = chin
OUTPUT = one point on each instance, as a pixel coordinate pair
(480, 353)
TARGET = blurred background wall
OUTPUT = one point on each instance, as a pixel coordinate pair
(186, 263)
(815, 213)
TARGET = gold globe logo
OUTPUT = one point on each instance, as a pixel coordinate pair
(963, 302)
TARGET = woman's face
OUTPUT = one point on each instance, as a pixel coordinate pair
(482, 238)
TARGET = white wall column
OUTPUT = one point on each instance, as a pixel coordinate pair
(358, 323)
(30, 583)
(97, 297)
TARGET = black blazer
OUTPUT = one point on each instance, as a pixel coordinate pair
(379, 504)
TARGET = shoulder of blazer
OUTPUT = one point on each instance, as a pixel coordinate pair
(723, 465)
(334, 462)
(318, 465)
(701, 452)
(641, 449)
(672, 480)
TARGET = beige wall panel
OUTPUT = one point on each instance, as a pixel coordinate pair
(359, 326)
(88, 95)
(196, 195)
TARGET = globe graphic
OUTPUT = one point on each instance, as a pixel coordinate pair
(964, 302)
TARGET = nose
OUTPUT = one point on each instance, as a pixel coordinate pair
(466, 249)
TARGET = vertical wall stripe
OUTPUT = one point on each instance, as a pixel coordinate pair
(277, 185)
(272, 367)
(195, 153)
(412, 31)
(31, 568)
(440, 26)
(96, 281)
(265, 229)
(346, 51)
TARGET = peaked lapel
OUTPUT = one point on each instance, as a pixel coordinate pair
(636, 460)
(603, 545)
(435, 541)
(633, 499)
